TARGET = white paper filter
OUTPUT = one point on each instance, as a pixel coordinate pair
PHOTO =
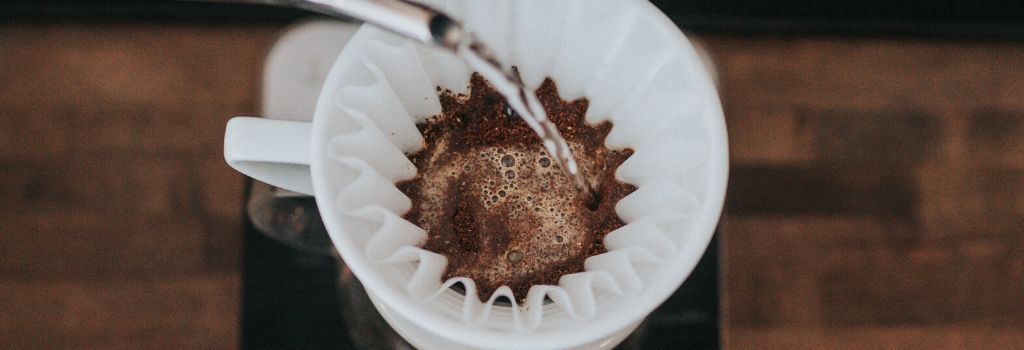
(634, 74)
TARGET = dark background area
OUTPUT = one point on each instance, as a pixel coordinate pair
(994, 19)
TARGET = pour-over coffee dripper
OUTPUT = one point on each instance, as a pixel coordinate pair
(671, 118)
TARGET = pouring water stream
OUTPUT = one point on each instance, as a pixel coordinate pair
(529, 108)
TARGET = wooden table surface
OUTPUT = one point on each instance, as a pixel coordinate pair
(876, 199)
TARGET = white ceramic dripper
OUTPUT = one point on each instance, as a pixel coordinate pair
(636, 69)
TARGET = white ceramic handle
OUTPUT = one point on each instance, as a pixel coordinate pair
(272, 151)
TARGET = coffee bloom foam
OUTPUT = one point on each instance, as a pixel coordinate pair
(519, 188)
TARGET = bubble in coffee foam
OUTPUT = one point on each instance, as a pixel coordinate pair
(514, 256)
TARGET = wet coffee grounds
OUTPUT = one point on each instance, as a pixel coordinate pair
(493, 202)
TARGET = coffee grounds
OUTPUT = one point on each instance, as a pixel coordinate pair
(496, 205)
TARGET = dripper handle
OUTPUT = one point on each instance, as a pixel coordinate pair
(272, 151)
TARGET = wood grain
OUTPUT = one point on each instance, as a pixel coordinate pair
(877, 197)
(121, 222)
(876, 194)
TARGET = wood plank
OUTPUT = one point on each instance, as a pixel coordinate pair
(882, 338)
(117, 314)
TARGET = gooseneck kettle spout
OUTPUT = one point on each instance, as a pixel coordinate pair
(406, 18)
